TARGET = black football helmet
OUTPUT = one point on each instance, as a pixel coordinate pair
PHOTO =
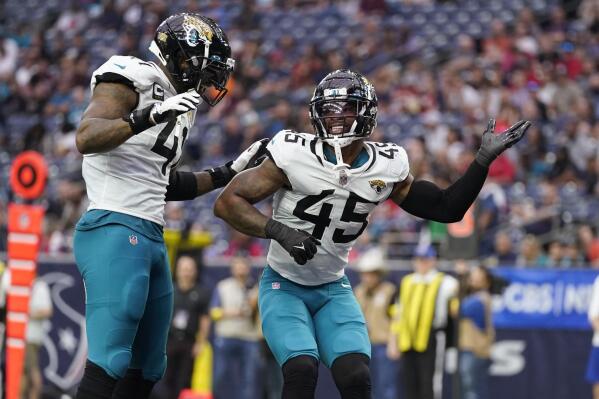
(343, 107)
(196, 53)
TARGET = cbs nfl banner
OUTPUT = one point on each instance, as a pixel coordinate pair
(544, 299)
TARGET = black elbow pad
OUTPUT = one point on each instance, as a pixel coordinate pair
(182, 186)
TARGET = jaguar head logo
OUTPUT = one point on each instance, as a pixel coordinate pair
(378, 185)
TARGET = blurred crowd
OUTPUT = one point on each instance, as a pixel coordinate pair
(440, 71)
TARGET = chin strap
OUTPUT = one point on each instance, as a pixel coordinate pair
(341, 168)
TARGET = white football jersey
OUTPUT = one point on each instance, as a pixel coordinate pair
(132, 178)
(334, 211)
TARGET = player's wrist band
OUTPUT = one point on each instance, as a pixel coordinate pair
(139, 120)
(484, 158)
(221, 175)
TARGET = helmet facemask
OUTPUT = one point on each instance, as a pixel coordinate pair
(340, 120)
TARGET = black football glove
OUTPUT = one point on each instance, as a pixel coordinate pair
(252, 156)
(494, 144)
(300, 245)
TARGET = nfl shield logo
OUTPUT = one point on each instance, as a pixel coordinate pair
(276, 286)
(343, 177)
(133, 240)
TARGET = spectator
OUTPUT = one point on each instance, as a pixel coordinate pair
(190, 326)
(9, 53)
(589, 242)
(236, 347)
(540, 67)
(530, 253)
(423, 312)
(555, 253)
(476, 334)
(375, 297)
(503, 254)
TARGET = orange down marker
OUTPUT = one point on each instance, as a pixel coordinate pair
(27, 179)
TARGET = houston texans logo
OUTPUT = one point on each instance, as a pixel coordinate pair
(65, 342)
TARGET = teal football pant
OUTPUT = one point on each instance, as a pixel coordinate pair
(323, 321)
(129, 299)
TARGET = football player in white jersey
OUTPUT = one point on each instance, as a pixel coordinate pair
(324, 187)
(132, 136)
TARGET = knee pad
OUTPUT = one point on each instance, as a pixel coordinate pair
(300, 374)
(351, 373)
(118, 362)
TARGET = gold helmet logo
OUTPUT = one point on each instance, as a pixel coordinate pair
(197, 30)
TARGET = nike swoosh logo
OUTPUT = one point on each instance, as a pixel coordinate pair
(300, 247)
(120, 66)
(345, 285)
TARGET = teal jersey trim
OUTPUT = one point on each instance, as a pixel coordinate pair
(360, 160)
(101, 217)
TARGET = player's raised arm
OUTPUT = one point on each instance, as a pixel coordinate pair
(424, 199)
(235, 206)
(108, 121)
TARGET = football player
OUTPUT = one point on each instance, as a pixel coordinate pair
(324, 187)
(131, 135)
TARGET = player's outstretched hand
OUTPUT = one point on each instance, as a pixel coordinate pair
(174, 106)
(251, 157)
(300, 245)
(145, 118)
(494, 144)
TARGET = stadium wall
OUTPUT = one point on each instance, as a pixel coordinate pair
(541, 351)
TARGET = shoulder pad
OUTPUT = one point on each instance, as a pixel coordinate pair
(286, 145)
(396, 158)
(130, 71)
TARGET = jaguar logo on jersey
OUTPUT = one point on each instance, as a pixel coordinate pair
(133, 239)
(343, 178)
(378, 185)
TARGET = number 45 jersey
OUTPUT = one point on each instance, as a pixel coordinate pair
(334, 210)
(132, 178)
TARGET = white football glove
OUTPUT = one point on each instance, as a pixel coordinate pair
(174, 106)
(251, 157)
(145, 118)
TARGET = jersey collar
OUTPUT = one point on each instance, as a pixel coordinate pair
(359, 163)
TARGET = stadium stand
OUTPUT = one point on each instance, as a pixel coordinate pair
(440, 71)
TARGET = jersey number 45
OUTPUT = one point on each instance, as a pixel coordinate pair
(323, 219)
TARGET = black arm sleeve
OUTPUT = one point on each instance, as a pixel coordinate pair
(428, 201)
(182, 186)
